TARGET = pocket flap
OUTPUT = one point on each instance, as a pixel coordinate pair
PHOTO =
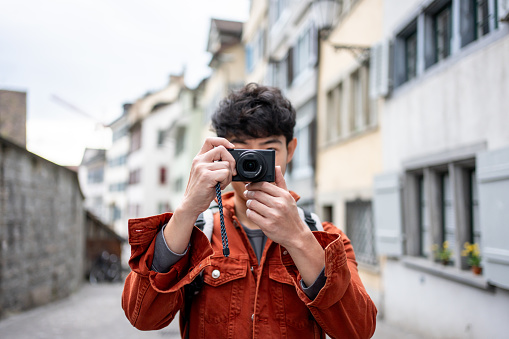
(280, 274)
(223, 270)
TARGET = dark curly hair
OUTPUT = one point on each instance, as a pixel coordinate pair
(255, 111)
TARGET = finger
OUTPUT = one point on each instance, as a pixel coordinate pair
(280, 179)
(218, 154)
(257, 207)
(212, 142)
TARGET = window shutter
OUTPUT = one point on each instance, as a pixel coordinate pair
(493, 184)
(503, 10)
(374, 70)
(379, 70)
(387, 208)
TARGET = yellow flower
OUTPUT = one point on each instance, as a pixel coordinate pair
(446, 244)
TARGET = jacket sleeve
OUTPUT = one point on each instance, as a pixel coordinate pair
(150, 299)
(342, 308)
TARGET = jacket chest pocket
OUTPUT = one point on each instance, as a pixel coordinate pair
(289, 307)
(223, 289)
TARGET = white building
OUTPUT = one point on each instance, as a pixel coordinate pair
(117, 174)
(281, 50)
(445, 177)
(150, 155)
(91, 177)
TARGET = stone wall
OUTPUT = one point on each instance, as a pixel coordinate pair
(13, 115)
(41, 230)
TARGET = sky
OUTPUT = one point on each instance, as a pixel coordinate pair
(80, 60)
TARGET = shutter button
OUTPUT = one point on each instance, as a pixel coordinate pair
(216, 274)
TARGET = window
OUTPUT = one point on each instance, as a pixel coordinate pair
(134, 177)
(334, 111)
(161, 135)
(442, 33)
(304, 53)
(448, 227)
(178, 185)
(276, 9)
(180, 140)
(359, 105)
(406, 54)
(424, 232)
(119, 133)
(441, 205)
(135, 138)
(359, 223)
(478, 18)
(95, 175)
(255, 50)
(162, 175)
(411, 56)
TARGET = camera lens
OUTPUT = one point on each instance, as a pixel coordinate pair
(250, 165)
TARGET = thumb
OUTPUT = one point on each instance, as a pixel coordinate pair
(280, 179)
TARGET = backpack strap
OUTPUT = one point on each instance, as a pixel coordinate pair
(311, 219)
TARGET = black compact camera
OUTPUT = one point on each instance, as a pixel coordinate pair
(254, 165)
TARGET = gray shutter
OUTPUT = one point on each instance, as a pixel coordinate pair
(503, 10)
(493, 181)
(387, 208)
(379, 70)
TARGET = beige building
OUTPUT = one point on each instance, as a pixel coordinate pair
(227, 64)
(349, 139)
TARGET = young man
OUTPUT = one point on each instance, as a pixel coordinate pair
(281, 280)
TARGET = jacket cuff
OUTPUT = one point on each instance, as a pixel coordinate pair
(336, 271)
(164, 257)
(143, 236)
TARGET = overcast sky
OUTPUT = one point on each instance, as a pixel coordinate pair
(96, 55)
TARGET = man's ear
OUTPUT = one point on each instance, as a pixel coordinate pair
(292, 145)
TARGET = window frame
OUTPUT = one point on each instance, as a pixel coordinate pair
(432, 175)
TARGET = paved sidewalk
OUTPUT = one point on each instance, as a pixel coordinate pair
(95, 312)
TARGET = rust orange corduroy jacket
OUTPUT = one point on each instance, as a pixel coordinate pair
(241, 298)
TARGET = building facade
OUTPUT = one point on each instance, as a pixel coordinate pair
(349, 136)
(117, 174)
(91, 176)
(445, 155)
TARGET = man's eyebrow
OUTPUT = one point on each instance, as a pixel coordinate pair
(237, 141)
(272, 141)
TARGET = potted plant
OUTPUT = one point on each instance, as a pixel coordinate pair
(443, 253)
(471, 251)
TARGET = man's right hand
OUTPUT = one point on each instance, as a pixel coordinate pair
(213, 164)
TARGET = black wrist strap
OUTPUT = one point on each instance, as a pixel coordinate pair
(224, 236)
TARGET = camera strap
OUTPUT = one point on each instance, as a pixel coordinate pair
(224, 236)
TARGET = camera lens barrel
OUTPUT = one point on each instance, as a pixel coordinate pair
(251, 165)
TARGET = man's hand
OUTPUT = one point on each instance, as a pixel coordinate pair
(274, 210)
(213, 164)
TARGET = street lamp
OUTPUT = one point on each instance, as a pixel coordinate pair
(326, 14)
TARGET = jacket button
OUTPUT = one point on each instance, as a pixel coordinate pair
(216, 274)
(252, 268)
(285, 252)
(252, 317)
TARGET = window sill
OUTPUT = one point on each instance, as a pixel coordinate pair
(447, 272)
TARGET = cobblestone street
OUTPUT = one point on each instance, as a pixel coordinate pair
(95, 312)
